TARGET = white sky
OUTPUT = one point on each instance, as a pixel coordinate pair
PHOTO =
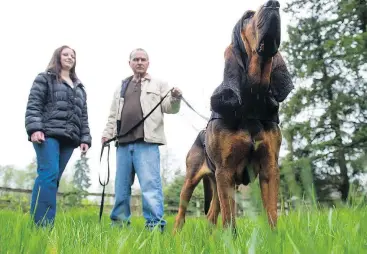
(185, 41)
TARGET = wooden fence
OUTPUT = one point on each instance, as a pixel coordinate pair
(135, 203)
(244, 206)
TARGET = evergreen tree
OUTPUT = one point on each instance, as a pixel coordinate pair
(325, 119)
(81, 177)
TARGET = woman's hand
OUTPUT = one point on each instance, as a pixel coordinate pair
(38, 137)
(84, 148)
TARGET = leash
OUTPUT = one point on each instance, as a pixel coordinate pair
(104, 184)
(188, 104)
(107, 144)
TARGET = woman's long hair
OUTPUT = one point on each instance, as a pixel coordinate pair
(55, 63)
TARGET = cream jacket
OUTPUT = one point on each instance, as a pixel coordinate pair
(152, 90)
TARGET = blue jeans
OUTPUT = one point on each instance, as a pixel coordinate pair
(144, 159)
(51, 162)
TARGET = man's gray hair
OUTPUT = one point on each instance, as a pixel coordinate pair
(136, 50)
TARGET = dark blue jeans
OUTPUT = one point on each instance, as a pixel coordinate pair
(144, 158)
(51, 162)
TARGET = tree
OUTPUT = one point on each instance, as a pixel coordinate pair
(168, 168)
(81, 177)
(31, 174)
(325, 118)
(24, 178)
(7, 175)
(173, 190)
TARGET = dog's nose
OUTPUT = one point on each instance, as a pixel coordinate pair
(272, 4)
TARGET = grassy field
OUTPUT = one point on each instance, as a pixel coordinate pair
(342, 230)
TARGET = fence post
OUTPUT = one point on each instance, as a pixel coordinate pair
(243, 208)
(197, 208)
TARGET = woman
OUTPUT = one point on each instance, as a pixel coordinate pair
(56, 122)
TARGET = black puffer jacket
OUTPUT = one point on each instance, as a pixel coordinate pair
(58, 110)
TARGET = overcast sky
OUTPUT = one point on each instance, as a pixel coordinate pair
(185, 41)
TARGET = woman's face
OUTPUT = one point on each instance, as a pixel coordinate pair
(67, 59)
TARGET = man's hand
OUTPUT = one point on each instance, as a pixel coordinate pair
(176, 93)
(38, 137)
(103, 140)
(84, 148)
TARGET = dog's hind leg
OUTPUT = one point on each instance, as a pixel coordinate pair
(208, 194)
(212, 207)
(196, 169)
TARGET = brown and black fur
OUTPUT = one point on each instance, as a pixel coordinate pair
(245, 139)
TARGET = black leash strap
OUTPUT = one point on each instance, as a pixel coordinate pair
(104, 184)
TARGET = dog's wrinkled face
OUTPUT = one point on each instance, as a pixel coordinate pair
(262, 30)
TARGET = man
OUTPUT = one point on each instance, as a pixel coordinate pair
(138, 150)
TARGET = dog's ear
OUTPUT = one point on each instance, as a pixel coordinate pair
(280, 80)
(226, 98)
(238, 45)
(248, 14)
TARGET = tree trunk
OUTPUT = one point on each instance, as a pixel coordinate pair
(335, 125)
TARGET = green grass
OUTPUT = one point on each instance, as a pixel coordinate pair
(342, 230)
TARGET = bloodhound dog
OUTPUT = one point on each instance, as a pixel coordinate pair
(242, 139)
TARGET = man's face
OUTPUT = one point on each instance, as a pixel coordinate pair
(139, 62)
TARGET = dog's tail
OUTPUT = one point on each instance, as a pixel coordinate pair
(208, 194)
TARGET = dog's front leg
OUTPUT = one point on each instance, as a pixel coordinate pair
(269, 174)
(269, 185)
(226, 194)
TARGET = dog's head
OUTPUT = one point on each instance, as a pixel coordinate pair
(252, 59)
(261, 29)
(266, 26)
(258, 32)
